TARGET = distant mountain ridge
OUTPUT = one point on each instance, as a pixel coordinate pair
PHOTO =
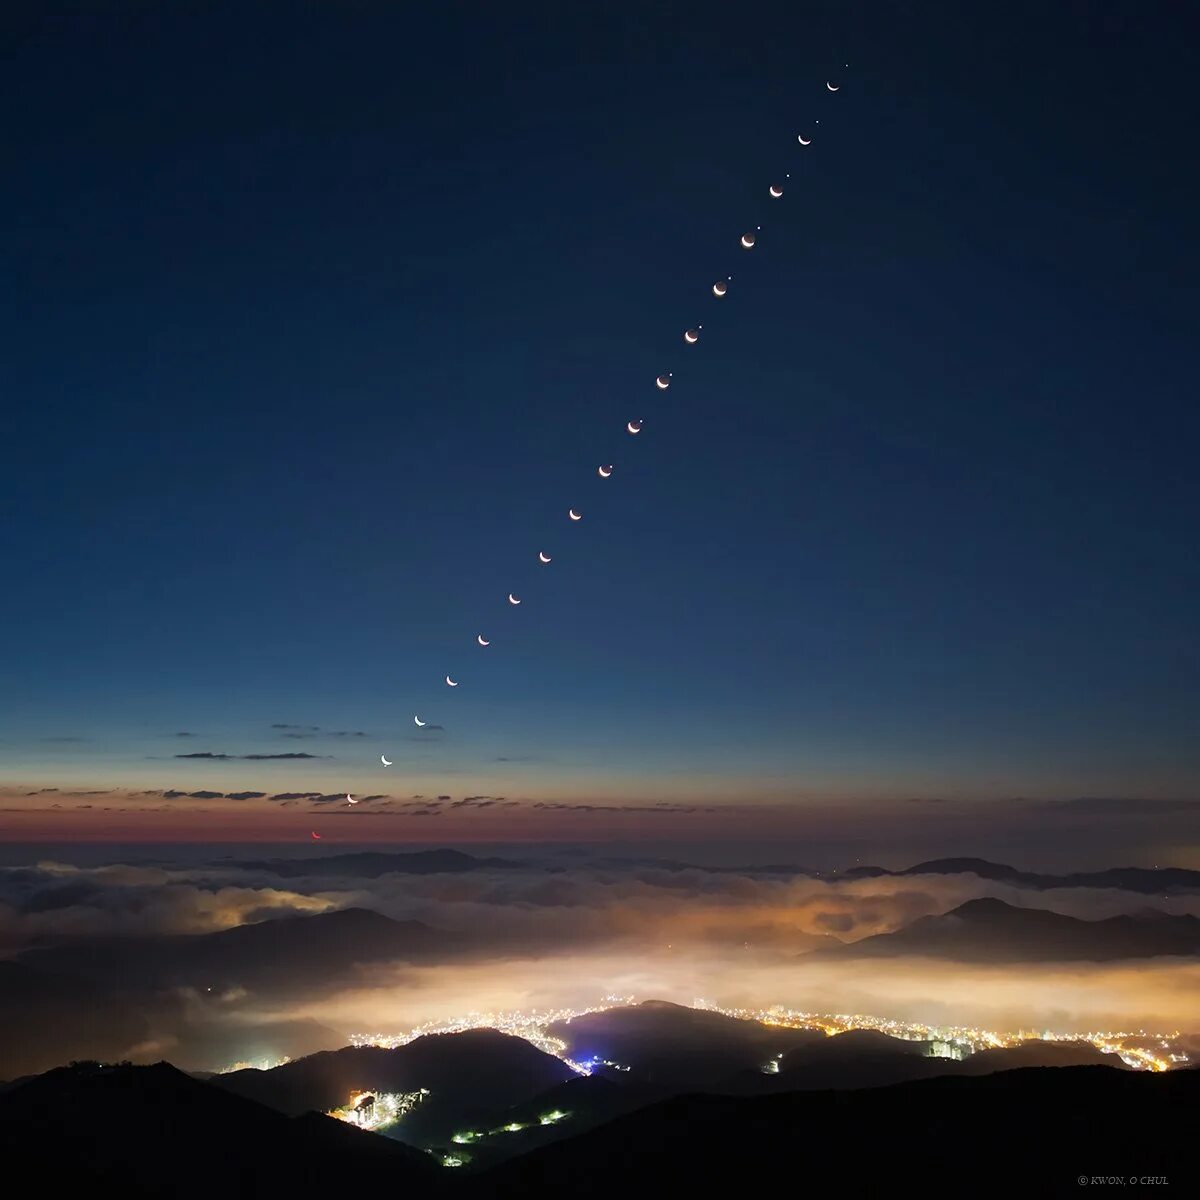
(290, 951)
(370, 864)
(989, 930)
(1149, 881)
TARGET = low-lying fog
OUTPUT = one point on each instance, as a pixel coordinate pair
(532, 936)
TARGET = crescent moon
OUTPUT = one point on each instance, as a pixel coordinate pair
(831, 87)
(747, 240)
(543, 557)
(800, 139)
(421, 724)
(316, 835)
(512, 599)
(450, 682)
(776, 191)
(691, 337)
(482, 640)
(719, 288)
(663, 382)
(574, 515)
(350, 799)
(634, 427)
(604, 472)
(386, 762)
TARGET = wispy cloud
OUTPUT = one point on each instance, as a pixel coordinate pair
(662, 807)
(247, 757)
(261, 756)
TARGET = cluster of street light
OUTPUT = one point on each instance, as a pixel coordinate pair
(378, 1110)
(1141, 1049)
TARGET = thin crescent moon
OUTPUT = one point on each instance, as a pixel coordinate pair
(831, 87)
(450, 682)
(800, 139)
(776, 191)
(574, 515)
(482, 640)
(543, 557)
(512, 599)
(604, 472)
(419, 722)
(634, 427)
(747, 240)
(691, 337)
(386, 762)
(719, 288)
(316, 834)
(350, 799)
(662, 382)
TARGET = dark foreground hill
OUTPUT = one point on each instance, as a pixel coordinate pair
(988, 930)
(1027, 1133)
(154, 1132)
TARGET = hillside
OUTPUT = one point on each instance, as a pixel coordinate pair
(670, 1046)
(292, 952)
(1149, 881)
(156, 1132)
(466, 1074)
(1028, 1133)
(988, 930)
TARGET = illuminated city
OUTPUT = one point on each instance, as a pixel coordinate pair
(378, 1110)
(1140, 1049)
(533, 1026)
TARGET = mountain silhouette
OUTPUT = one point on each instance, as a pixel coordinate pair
(48, 1015)
(155, 1132)
(673, 1047)
(466, 1074)
(1026, 1133)
(292, 953)
(1144, 880)
(371, 864)
(989, 930)
(566, 1110)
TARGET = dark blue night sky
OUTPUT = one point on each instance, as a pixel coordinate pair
(320, 317)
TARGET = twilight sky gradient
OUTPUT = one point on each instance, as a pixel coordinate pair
(323, 317)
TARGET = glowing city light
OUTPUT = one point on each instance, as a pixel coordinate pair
(378, 1110)
(1140, 1049)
